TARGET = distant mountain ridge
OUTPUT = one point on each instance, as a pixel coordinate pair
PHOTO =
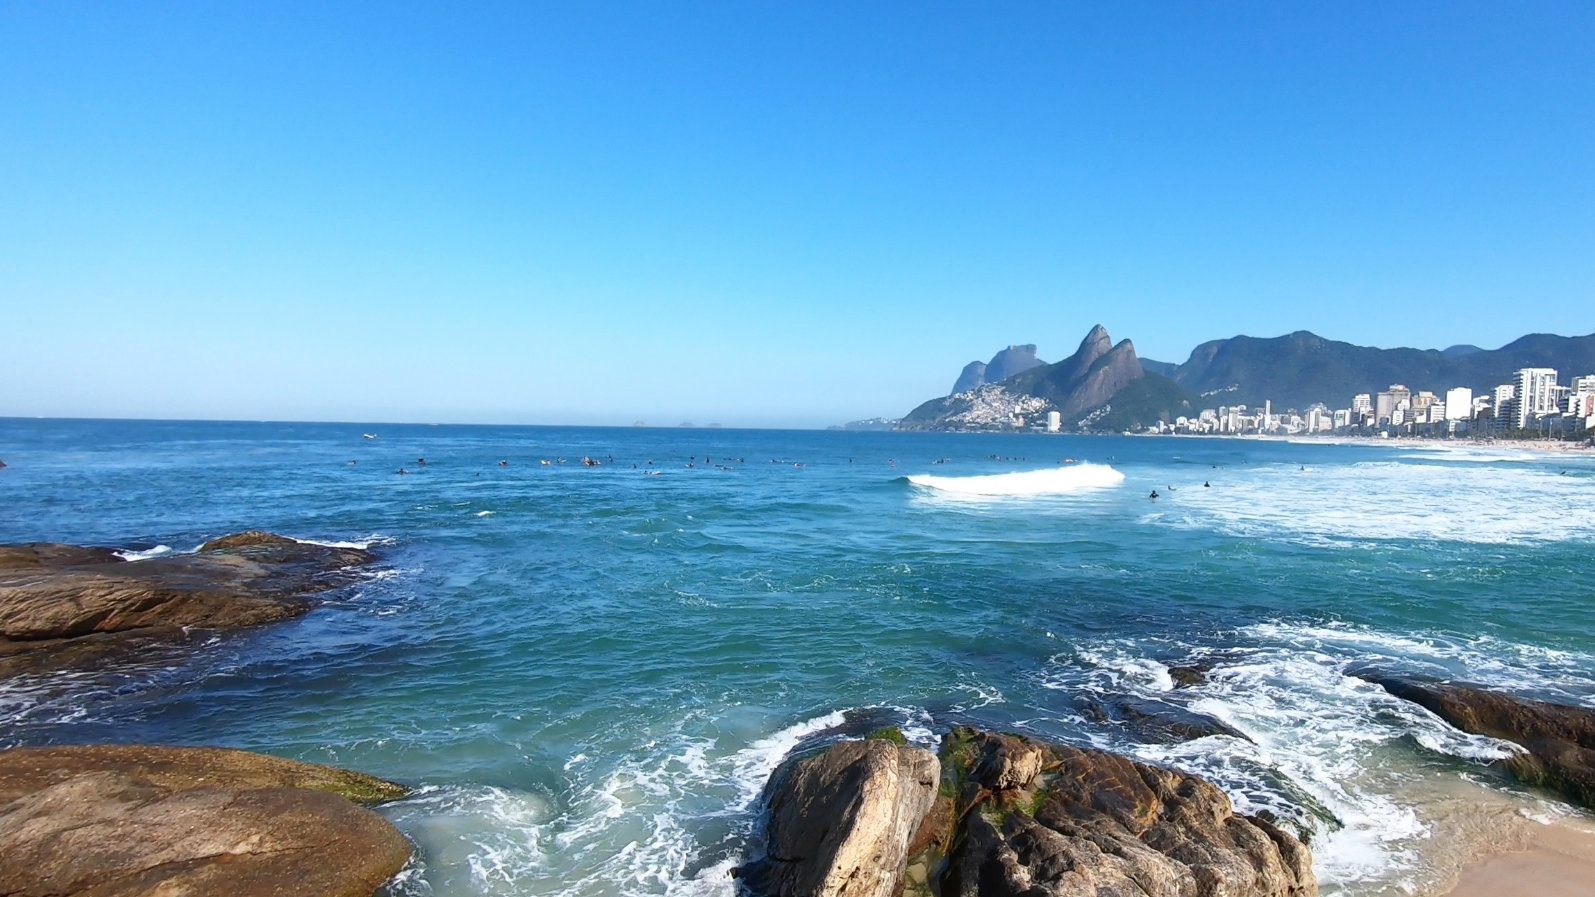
(1103, 382)
(1006, 363)
(1300, 369)
(1106, 387)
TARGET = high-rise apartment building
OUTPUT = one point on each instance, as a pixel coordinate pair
(1387, 402)
(1536, 394)
(1458, 403)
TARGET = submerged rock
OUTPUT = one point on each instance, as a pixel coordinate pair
(841, 820)
(54, 597)
(112, 820)
(1559, 739)
(1152, 721)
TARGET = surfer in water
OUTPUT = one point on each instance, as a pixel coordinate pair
(1154, 495)
(1207, 485)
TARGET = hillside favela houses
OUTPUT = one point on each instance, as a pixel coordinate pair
(1278, 386)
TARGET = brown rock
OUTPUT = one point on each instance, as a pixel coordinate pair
(1559, 738)
(50, 593)
(1097, 823)
(1006, 761)
(108, 820)
(841, 820)
(54, 554)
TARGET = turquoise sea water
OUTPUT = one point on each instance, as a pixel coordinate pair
(589, 672)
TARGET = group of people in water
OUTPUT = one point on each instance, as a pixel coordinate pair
(1206, 484)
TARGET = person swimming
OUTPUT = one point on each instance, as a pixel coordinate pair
(402, 470)
(1207, 485)
(503, 463)
(1154, 495)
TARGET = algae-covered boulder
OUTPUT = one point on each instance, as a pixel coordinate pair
(841, 820)
(1092, 823)
(112, 820)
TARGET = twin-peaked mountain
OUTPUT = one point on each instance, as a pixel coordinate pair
(1100, 386)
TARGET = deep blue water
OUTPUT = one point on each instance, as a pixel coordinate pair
(589, 671)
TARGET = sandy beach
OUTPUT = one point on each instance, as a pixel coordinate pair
(1559, 862)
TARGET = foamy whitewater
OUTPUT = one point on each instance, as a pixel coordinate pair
(589, 673)
(1052, 481)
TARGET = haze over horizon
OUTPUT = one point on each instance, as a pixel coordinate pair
(758, 216)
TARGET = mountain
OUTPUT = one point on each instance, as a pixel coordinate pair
(1006, 363)
(1163, 368)
(973, 375)
(869, 424)
(1085, 389)
(1299, 369)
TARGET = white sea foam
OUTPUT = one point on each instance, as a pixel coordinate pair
(146, 554)
(628, 827)
(362, 544)
(1319, 736)
(1418, 498)
(1049, 481)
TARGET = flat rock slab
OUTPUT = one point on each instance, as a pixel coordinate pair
(112, 820)
(1559, 738)
(52, 595)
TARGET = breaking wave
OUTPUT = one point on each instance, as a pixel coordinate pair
(1331, 753)
(1050, 481)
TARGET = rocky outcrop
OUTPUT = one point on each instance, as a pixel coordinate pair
(112, 820)
(65, 601)
(1109, 374)
(1018, 816)
(1084, 382)
(973, 375)
(1073, 369)
(1006, 363)
(1096, 823)
(1010, 361)
(840, 820)
(1558, 739)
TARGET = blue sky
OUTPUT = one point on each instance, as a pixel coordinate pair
(754, 213)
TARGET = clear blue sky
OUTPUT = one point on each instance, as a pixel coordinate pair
(755, 213)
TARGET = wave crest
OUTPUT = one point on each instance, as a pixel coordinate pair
(1049, 481)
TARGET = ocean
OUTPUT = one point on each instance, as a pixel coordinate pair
(587, 673)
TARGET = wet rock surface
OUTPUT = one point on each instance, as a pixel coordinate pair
(1154, 722)
(841, 820)
(110, 820)
(1559, 739)
(61, 605)
(1019, 816)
